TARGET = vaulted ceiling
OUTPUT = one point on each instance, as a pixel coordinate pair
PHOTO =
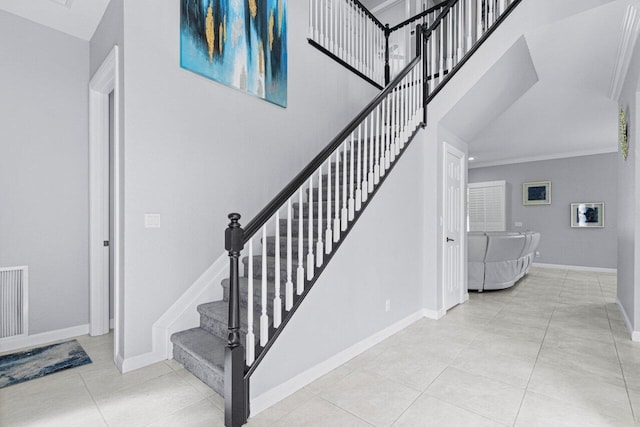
(78, 18)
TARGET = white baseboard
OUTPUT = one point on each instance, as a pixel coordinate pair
(15, 343)
(280, 392)
(433, 314)
(465, 297)
(576, 268)
(635, 335)
(140, 361)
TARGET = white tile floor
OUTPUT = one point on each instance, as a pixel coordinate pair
(552, 351)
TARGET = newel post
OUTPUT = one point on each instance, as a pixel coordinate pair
(236, 390)
(387, 67)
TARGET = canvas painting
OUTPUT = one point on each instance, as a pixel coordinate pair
(239, 43)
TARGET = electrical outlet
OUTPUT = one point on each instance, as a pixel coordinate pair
(537, 254)
(387, 306)
(518, 224)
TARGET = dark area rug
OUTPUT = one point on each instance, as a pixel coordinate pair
(35, 363)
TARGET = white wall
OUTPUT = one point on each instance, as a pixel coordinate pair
(44, 168)
(628, 209)
(574, 179)
(196, 151)
(380, 259)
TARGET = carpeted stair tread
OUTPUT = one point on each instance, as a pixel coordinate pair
(202, 354)
(257, 289)
(214, 317)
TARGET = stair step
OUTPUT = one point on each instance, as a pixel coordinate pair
(257, 267)
(271, 245)
(257, 289)
(214, 318)
(202, 354)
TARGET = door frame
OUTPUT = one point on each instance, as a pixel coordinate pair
(105, 81)
(448, 148)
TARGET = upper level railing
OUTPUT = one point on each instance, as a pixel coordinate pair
(289, 243)
(347, 31)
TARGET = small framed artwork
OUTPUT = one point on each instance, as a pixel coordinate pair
(587, 214)
(536, 193)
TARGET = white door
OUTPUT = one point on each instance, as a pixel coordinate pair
(453, 210)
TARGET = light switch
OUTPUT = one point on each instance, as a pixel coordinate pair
(151, 220)
(518, 224)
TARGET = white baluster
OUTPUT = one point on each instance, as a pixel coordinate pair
(342, 26)
(432, 72)
(352, 202)
(288, 287)
(387, 132)
(441, 52)
(469, 25)
(490, 17)
(310, 268)
(480, 20)
(251, 338)
(336, 220)
(311, 32)
(359, 170)
(460, 53)
(300, 275)
(319, 244)
(376, 142)
(277, 302)
(392, 127)
(328, 239)
(383, 136)
(370, 143)
(365, 142)
(264, 318)
(345, 210)
(503, 5)
(321, 10)
(449, 40)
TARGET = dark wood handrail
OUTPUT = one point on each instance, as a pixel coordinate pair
(369, 14)
(269, 211)
(418, 16)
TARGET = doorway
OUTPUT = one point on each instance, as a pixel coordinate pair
(453, 269)
(105, 284)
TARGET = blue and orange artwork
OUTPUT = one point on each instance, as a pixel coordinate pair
(240, 43)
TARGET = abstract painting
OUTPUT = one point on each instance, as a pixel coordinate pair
(240, 43)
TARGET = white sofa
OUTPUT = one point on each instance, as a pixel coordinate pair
(497, 260)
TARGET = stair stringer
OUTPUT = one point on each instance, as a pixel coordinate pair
(344, 313)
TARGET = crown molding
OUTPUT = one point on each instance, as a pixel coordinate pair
(626, 46)
(475, 165)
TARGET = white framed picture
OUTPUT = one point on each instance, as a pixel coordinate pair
(536, 193)
(587, 215)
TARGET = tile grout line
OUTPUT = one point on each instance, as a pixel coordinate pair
(93, 399)
(526, 389)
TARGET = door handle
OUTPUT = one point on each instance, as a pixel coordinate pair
(450, 240)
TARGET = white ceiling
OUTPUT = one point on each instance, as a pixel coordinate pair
(78, 18)
(566, 112)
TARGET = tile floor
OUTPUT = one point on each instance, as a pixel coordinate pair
(552, 351)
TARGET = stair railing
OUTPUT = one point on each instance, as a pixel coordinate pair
(289, 243)
(310, 222)
(349, 33)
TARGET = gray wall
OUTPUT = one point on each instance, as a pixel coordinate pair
(197, 150)
(44, 168)
(575, 179)
(628, 188)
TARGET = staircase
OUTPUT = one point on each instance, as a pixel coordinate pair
(283, 251)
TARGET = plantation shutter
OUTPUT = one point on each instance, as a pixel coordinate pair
(486, 204)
